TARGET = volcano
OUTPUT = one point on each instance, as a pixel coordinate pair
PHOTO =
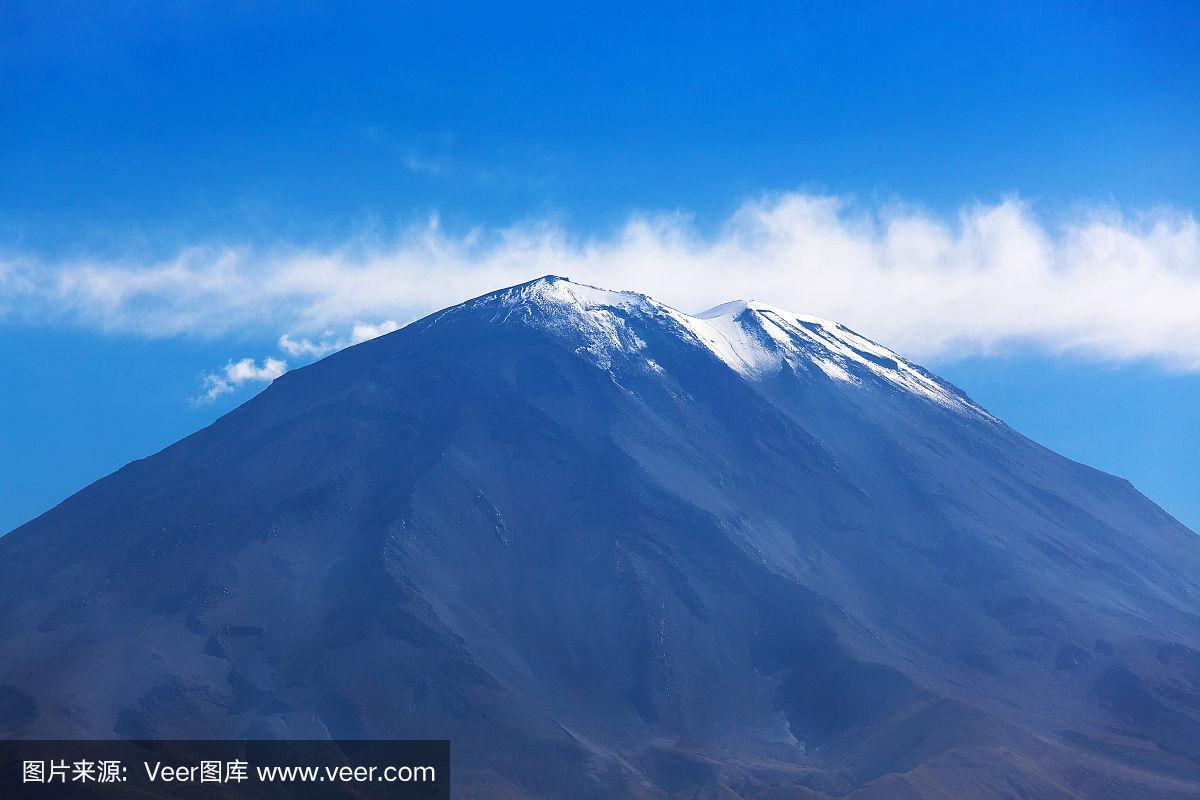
(609, 550)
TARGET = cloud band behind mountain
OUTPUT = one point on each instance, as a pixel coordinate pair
(1103, 284)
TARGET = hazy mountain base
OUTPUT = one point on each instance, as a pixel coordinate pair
(653, 579)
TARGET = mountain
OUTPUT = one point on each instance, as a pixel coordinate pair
(613, 550)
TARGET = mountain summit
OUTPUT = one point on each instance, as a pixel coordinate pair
(754, 339)
(613, 550)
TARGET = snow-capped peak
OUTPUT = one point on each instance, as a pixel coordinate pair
(554, 290)
(755, 339)
(773, 337)
(599, 316)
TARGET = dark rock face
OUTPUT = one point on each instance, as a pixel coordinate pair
(608, 558)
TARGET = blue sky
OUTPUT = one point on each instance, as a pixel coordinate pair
(1007, 194)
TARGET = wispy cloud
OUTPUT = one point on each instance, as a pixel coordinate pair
(436, 157)
(328, 342)
(413, 161)
(1102, 284)
(236, 374)
(410, 156)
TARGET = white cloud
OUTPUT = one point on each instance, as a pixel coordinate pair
(304, 347)
(327, 343)
(236, 374)
(363, 331)
(1101, 284)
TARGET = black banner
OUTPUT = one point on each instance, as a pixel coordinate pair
(216, 770)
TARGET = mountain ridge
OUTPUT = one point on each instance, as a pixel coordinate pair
(751, 337)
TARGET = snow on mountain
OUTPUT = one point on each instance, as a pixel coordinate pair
(754, 339)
